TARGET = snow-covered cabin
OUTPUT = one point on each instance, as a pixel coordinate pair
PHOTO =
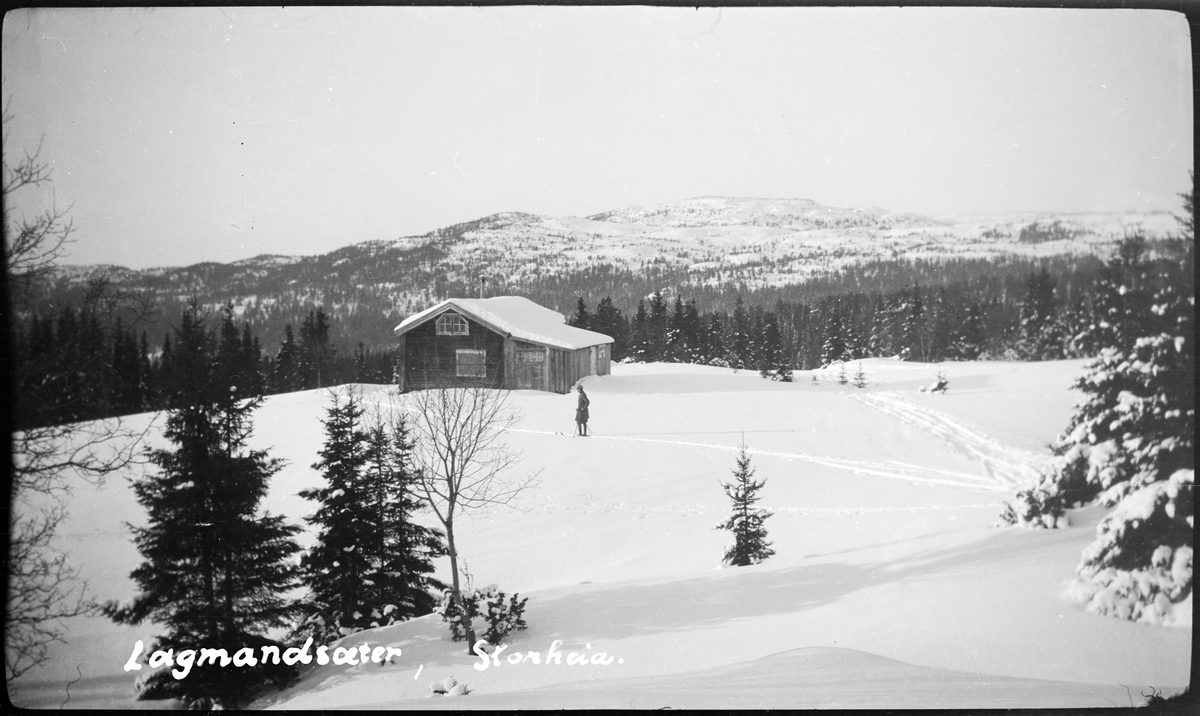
(508, 341)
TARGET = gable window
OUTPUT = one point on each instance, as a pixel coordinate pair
(531, 356)
(470, 363)
(452, 324)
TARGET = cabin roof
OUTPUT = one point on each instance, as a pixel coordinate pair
(514, 316)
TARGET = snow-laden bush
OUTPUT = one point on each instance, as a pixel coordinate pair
(503, 618)
(1141, 562)
(1040, 506)
(449, 686)
(502, 613)
(450, 612)
(779, 373)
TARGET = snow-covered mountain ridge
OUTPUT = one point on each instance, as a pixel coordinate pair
(784, 240)
(721, 246)
(767, 241)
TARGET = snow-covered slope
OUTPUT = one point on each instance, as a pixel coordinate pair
(890, 586)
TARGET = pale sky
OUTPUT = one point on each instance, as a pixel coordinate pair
(208, 134)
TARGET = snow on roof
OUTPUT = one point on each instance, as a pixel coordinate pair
(516, 316)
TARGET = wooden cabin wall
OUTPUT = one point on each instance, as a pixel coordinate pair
(429, 359)
(604, 359)
(404, 357)
(520, 376)
(558, 379)
(565, 367)
(581, 364)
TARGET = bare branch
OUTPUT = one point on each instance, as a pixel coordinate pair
(44, 588)
(464, 463)
(33, 244)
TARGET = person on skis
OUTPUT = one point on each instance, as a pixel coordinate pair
(581, 413)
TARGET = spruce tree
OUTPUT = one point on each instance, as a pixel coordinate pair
(657, 327)
(1120, 300)
(713, 350)
(693, 332)
(609, 321)
(855, 345)
(127, 372)
(772, 362)
(1039, 336)
(1134, 439)
(315, 352)
(912, 325)
(582, 317)
(756, 339)
(877, 333)
(1131, 445)
(639, 339)
(749, 545)
(402, 585)
(335, 569)
(250, 362)
(360, 364)
(740, 340)
(939, 327)
(860, 377)
(967, 341)
(229, 355)
(676, 350)
(146, 372)
(216, 567)
(833, 348)
(286, 377)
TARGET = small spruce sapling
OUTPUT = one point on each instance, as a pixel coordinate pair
(860, 378)
(842, 379)
(750, 545)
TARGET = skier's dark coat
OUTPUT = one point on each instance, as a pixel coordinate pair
(581, 413)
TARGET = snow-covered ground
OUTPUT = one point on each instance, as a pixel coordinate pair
(890, 586)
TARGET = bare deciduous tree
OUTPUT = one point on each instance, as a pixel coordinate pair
(44, 588)
(463, 460)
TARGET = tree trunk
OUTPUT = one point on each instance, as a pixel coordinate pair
(468, 629)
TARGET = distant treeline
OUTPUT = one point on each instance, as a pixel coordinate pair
(366, 294)
(1040, 316)
(84, 362)
(95, 356)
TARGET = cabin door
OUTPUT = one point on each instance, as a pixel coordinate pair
(531, 369)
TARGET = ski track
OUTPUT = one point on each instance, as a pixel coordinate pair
(891, 469)
(688, 510)
(1006, 467)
